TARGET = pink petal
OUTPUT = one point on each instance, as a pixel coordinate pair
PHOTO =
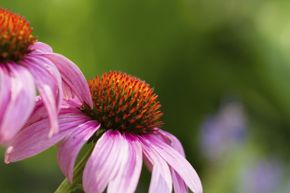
(108, 156)
(74, 82)
(70, 147)
(33, 139)
(48, 82)
(39, 112)
(178, 183)
(128, 176)
(17, 100)
(173, 142)
(40, 47)
(5, 91)
(161, 178)
(178, 163)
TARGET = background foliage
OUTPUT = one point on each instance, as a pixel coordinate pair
(200, 56)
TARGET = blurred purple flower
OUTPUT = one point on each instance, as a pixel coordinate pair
(127, 111)
(29, 68)
(224, 131)
(262, 176)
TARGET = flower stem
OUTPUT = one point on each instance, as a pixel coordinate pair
(67, 187)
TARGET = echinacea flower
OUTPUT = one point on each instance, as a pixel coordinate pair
(126, 110)
(29, 68)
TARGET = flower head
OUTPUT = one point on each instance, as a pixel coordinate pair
(29, 68)
(127, 111)
(125, 103)
(15, 36)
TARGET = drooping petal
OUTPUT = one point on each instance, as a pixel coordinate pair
(161, 180)
(74, 82)
(48, 82)
(33, 139)
(178, 183)
(70, 147)
(178, 163)
(16, 100)
(128, 176)
(108, 156)
(39, 112)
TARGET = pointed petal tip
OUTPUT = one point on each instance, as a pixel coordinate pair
(199, 191)
(7, 159)
(200, 188)
(52, 132)
(70, 180)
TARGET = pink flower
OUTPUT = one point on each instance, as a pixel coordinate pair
(29, 68)
(127, 111)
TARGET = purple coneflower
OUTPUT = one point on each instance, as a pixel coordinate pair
(29, 68)
(126, 110)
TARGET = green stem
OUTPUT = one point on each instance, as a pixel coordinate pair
(67, 187)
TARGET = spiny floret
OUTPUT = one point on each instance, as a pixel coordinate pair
(15, 36)
(125, 103)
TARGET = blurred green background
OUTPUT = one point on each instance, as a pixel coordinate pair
(219, 67)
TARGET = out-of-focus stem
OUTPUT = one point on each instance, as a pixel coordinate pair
(67, 187)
